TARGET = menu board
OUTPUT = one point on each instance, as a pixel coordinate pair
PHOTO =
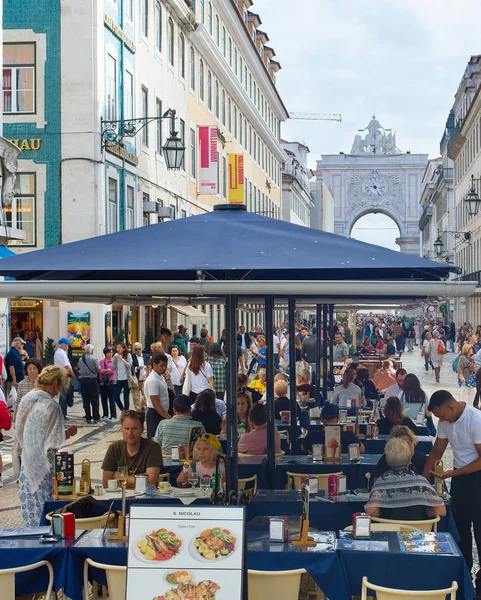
(64, 473)
(187, 552)
(419, 542)
(333, 442)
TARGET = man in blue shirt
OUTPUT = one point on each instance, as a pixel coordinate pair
(14, 365)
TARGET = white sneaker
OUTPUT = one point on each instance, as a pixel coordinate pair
(1, 483)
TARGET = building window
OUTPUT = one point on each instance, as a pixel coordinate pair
(201, 80)
(245, 134)
(217, 31)
(223, 107)
(145, 17)
(224, 42)
(129, 208)
(202, 11)
(218, 174)
(224, 177)
(111, 85)
(183, 214)
(129, 9)
(235, 122)
(128, 96)
(245, 78)
(229, 115)
(241, 70)
(170, 40)
(210, 22)
(192, 68)
(158, 137)
(209, 90)
(146, 216)
(216, 98)
(240, 129)
(250, 196)
(192, 153)
(112, 224)
(182, 137)
(158, 27)
(145, 114)
(21, 213)
(235, 61)
(182, 55)
(230, 52)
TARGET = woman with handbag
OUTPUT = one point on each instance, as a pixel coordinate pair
(437, 350)
(466, 375)
(107, 382)
(122, 366)
(199, 375)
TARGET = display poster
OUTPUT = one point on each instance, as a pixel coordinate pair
(235, 192)
(186, 552)
(208, 160)
(78, 331)
(108, 329)
(332, 442)
(64, 473)
(128, 328)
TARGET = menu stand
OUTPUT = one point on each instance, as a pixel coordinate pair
(304, 539)
(56, 496)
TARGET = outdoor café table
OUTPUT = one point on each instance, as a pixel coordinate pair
(19, 552)
(324, 567)
(354, 471)
(401, 570)
(284, 443)
(421, 430)
(327, 513)
(377, 445)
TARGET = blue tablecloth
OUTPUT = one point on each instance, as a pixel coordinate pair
(327, 516)
(20, 552)
(355, 472)
(405, 571)
(376, 446)
(420, 429)
(284, 444)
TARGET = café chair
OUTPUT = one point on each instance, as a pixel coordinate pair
(164, 477)
(255, 459)
(426, 525)
(294, 479)
(7, 579)
(384, 593)
(89, 523)
(116, 579)
(245, 483)
(387, 527)
(282, 585)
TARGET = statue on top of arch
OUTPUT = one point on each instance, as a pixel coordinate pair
(377, 140)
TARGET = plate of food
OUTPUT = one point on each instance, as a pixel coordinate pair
(213, 544)
(158, 545)
(184, 586)
(179, 492)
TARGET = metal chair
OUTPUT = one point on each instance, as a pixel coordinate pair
(7, 579)
(116, 579)
(387, 527)
(251, 490)
(384, 593)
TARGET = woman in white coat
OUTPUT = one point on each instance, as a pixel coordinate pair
(437, 357)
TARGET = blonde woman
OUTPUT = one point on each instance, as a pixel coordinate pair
(41, 432)
(466, 376)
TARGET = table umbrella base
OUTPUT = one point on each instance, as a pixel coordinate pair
(304, 539)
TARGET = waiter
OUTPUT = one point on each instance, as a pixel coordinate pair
(460, 425)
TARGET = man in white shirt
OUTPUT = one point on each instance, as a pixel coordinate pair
(460, 425)
(396, 388)
(61, 359)
(156, 395)
(275, 348)
(139, 365)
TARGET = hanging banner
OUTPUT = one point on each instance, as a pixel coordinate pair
(128, 328)
(235, 193)
(108, 329)
(208, 160)
(78, 331)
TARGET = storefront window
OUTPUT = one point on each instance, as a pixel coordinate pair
(21, 213)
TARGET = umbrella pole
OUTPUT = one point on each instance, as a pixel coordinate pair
(232, 432)
(291, 305)
(271, 440)
(331, 342)
(326, 346)
(317, 372)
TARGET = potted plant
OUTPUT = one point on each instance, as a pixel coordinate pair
(149, 339)
(49, 351)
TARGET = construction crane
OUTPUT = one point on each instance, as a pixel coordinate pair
(315, 116)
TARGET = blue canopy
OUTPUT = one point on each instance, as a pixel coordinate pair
(228, 243)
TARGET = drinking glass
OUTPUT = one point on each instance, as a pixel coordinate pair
(193, 480)
(122, 474)
(204, 484)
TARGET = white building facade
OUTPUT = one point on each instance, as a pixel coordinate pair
(296, 197)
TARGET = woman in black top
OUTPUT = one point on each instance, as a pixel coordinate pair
(204, 412)
(369, 389)
(393, 415)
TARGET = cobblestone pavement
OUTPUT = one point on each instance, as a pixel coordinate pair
(92, 441)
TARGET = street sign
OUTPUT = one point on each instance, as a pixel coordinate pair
(431, 308)
(462, 303)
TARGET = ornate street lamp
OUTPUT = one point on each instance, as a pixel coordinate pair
(173, 148)
(472, 199)
(438, 245)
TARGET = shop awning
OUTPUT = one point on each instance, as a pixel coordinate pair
(195, 316)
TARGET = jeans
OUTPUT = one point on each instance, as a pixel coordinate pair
(427, 362)
(177, 389)
(152, 419)
(466, 504)
(90, 398)
(107, 397)
(119, 386)
(62, 400)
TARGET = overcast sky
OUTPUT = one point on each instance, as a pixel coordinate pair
(405, 57)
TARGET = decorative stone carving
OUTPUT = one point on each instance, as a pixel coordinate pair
(374, 190)
(377, 140)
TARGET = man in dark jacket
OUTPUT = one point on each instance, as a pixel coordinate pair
(244, 343)
(139, 368)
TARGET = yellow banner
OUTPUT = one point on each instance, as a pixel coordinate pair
(235, 168)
